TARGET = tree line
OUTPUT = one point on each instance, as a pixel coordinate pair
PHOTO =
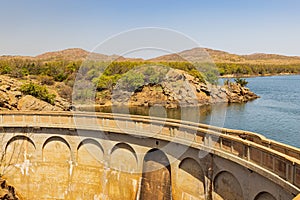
(106, 74)
(103, 74)
(256, 69)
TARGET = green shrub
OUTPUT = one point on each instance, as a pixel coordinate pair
(131, 81)
(60, 77)
(46, 80)
(105, 82)
(5, 69)
(64, 91)
(241, 81)
(154, 74)
(38, 91)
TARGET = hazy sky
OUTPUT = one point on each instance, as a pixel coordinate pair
(32, 27)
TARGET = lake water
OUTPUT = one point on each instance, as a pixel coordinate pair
(275, 115)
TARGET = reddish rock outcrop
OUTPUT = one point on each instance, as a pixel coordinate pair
(182, 89)
(11, 98)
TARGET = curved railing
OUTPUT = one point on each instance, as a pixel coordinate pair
(277, 161)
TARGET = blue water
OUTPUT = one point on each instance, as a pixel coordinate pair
(276, 114)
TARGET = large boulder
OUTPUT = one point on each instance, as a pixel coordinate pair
(31, 103)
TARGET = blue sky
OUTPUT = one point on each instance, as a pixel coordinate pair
(239, 26)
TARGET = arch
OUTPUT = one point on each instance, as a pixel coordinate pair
(19, 137)
(124, 146)
(56, 149)
(90, 141)
(56, 138)
(156, 176)
(56, 154)
(123, 157)
(18, 149)
(158, 156)
(264, 196)
(90, 152)
(190, 179)
(123, 181)
(188, 164)
(227, 186)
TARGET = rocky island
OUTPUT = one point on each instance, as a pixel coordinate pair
(179, 90)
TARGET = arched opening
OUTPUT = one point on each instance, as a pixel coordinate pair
(123, 179)
(17, 162)
(227, 187)
(56, 161)
(123, 158)
(264, 196)
(190, 180)
(156, 178)
(18, 149)
(20, 137)
(56, 149)
(89, 169)
(90, 152)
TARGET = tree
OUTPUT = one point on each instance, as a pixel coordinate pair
(241, 81)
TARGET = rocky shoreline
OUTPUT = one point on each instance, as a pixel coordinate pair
(178, 90)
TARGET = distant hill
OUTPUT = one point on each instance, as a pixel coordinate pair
(205, 54)
(200, 54)
(226, 63)
(67, 54)
(191, 55)
(77, 54)
(72, 54)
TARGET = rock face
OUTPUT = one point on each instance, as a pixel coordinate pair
(182, 89)
(29, 102)
(237, 94)
(11, 98)
(7, 192)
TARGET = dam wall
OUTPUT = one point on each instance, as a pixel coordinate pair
(115, 156)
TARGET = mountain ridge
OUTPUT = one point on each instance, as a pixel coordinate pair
(190, 55)
(220, 56)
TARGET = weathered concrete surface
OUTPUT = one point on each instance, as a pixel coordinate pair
(156, 177)
(60, 162)
(47, 171)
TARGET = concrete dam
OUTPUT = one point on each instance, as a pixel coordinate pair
(77, 155)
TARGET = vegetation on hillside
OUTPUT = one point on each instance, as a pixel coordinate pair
(65, 66)
(38, 91)
(239, 65)
(103, 74)
(240, 69)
